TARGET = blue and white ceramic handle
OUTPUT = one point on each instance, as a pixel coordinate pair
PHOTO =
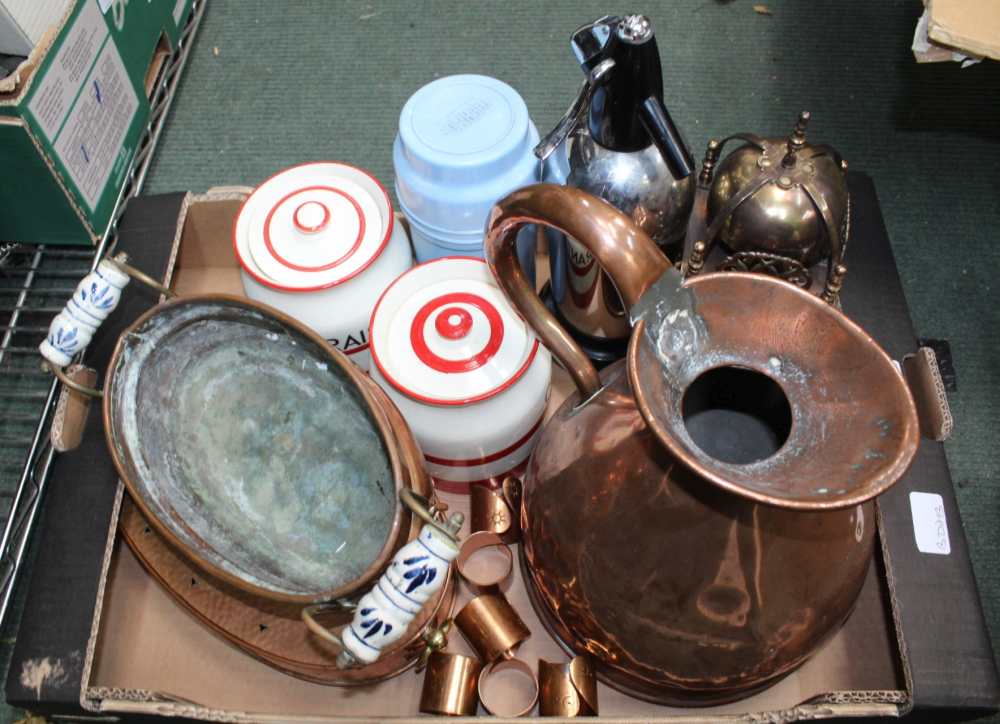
(95, 297)
(414, 576)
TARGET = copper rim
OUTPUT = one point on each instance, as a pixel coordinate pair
(876, 486)
(401, 517)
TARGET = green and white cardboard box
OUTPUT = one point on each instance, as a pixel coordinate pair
(71, 128)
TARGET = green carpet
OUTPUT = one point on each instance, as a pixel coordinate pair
(271, 84)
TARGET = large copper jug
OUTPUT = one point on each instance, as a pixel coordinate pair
(697, 568)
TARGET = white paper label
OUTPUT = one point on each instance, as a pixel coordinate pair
(54, 96)
(930, 527)
(86, 122)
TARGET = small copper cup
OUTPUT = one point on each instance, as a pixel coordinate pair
(498, 510)
(491, 626)
(567, 690)
(450, 685)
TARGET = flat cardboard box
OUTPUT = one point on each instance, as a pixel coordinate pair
(72, 117)
(161, 669)
(970, 26)
(146, 655)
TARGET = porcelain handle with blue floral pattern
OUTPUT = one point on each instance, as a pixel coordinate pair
(94, 299)
(414, 576)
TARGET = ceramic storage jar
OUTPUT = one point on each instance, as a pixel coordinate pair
(469, 377)
(319, 242)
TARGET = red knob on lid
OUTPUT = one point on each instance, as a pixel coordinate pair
(311, 216)
(444, 333)
(313, 226)
(453, 323)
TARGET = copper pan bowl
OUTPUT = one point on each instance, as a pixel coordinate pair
(257, 450)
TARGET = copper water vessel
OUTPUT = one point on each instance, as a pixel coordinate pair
(698, 558)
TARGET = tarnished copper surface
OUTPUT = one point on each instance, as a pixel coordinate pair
(450, 683)
(568, 689)
(491, 626)
(380, 410)
(270, 631)
(690, 580)
(684, 593)
(854, 425)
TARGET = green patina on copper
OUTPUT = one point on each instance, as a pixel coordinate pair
(253, 447)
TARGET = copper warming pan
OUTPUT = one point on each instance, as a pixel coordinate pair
(265, 459)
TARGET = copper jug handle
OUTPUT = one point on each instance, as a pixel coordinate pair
(620, 247)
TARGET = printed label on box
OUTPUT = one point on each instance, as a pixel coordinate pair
(85, 104)
(930, 526)
(54, 95)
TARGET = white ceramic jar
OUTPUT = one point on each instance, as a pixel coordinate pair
(470, 378)
(320, 243)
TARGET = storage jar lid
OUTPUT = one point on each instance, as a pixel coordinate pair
(313, 226)
(444, 333)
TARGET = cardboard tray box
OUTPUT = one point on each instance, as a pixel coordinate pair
(72, 116)
(130, 649)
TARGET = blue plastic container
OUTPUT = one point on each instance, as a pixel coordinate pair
(464, 142)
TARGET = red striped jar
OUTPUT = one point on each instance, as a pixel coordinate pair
(320, 243)
(469, 376)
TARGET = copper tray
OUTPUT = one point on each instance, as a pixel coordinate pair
(271, 631)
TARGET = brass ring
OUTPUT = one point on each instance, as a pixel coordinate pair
(71, 383)
(475, 543)
(313, 625)
(516, 665)
(121, 261)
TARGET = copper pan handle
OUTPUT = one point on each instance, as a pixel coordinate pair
(95, 297)
(621, 248)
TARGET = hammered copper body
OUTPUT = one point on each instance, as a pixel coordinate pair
(691, 580)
